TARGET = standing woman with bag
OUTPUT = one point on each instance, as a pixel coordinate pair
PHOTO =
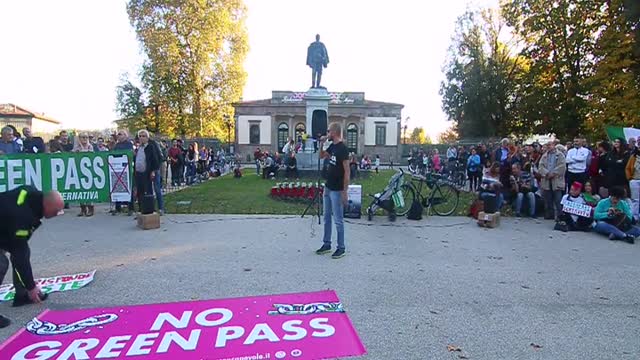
(82, 144)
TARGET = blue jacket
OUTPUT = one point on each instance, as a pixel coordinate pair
(473, 163)
(601, 212)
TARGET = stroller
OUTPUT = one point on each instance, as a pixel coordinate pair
(389, 199)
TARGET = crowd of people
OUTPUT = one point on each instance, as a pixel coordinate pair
(183, 165)
(557, 181)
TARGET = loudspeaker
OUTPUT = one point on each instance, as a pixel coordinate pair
(148, 204)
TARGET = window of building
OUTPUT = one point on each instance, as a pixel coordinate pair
(283, 134)
(254, 134)
(301, 129)
(352, 138)
(381, 134)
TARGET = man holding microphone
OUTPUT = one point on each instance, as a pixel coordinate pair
(336, 186)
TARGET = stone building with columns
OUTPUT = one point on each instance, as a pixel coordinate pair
(369, 127)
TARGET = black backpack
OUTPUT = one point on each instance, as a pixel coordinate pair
(415, 212)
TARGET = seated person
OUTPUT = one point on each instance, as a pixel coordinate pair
(292, 167)
(613, 217)
(521, 189)
(491, 186)
(266, 164)
(588, 194)
(572, 222)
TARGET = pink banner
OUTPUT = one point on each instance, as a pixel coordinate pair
(294, 326)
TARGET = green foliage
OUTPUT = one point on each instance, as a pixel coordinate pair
(563, 67)
(418, 136)
(481, 89)
(616, 82)
(193, 71)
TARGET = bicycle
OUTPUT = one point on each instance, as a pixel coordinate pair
(443, 196)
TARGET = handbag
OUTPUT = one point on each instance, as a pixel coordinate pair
(620, 221)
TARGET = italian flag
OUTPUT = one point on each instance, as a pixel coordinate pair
(614, 132)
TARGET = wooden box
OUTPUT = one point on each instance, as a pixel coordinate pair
(149, 221)
(488, 220)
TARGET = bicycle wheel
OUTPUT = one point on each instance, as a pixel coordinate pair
(407, 195)
(444, 199)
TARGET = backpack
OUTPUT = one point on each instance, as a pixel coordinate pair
(415, 212)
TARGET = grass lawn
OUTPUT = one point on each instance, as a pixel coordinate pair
(250, 195)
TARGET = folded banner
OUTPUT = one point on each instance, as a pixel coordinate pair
(52, 284)
(626, 133)
(79, 177)
(295, 326)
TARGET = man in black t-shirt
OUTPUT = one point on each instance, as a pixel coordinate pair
(335, 191)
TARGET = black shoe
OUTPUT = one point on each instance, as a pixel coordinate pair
(325, 249)
(629, 239)
(24, 300)
(4, 322)
(338, 254)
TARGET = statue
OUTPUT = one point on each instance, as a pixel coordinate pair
(317, 58)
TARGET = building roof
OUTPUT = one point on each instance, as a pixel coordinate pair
(291, 98)
(7, 110)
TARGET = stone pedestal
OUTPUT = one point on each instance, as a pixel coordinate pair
(317, 101)
(307, 160)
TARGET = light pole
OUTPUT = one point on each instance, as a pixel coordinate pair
(227, 120)
(404, 129)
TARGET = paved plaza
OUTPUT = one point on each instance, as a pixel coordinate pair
(521, 291)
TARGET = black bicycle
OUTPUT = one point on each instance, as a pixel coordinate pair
(440, 195)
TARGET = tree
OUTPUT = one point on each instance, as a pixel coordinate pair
(616, 82)
(130, 105)
(449, 136)
(193, 71)
(480, 93)
(559, 38)
(418, 136)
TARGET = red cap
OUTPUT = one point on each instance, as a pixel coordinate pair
(576, 185)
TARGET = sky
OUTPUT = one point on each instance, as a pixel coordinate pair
(65, 58)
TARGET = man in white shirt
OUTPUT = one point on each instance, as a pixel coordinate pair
(577, 162)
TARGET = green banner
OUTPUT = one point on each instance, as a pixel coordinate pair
(80, 177)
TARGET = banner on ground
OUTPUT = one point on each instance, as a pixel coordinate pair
(296, 326)
(52, 284)
(626, 133)
(79, 177)
(574, 208)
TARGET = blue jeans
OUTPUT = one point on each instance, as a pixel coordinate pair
(605, 228)
(333, 205)
(531, 199)
(157, 188)
(499, 198)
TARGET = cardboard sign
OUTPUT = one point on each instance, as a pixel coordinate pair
(353, 209)
(304, 326)
(52, 284)
(574, 208)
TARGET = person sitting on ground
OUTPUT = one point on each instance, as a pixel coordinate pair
(572, 222)
(521, 189)
(589, 196)
(292, 167)
(269, 167)
(613, 217)
(491, 186)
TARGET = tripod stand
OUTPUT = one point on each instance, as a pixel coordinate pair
(316, 202)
